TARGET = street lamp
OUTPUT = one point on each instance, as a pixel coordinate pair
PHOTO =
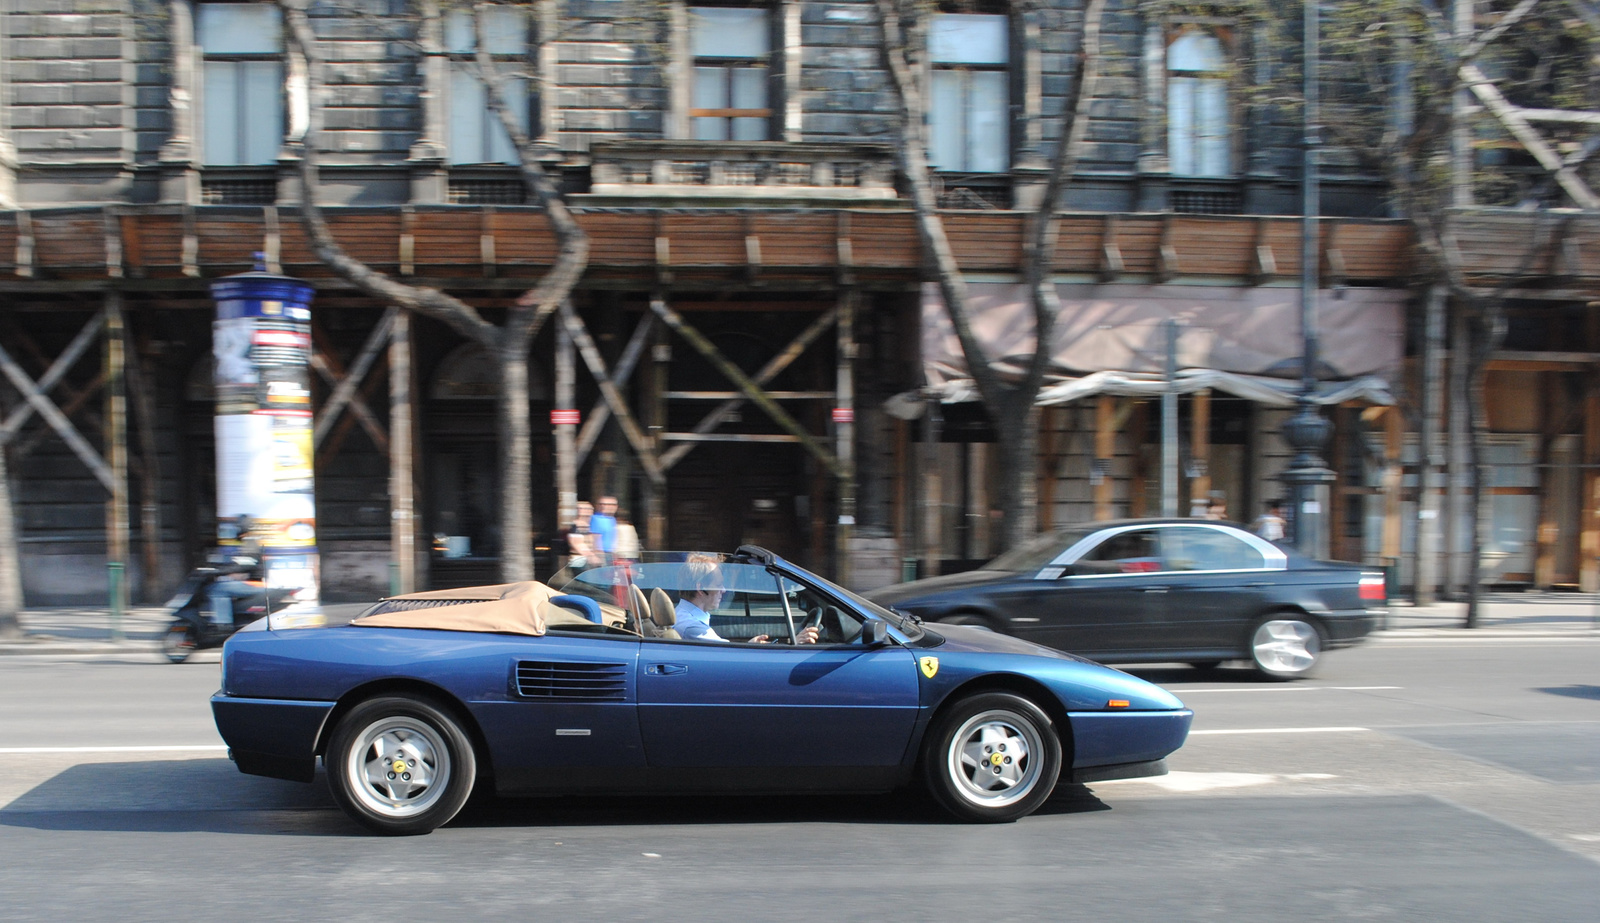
(1307, 432)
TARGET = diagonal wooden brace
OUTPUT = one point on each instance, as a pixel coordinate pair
(613, 398)
(624, 370)
(344, 392)
(58, 422)
(751, 390)
(58, 368)
(768, 372)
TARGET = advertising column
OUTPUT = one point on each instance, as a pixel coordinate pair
(261, 341)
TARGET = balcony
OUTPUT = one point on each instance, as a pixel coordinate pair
(742, 172)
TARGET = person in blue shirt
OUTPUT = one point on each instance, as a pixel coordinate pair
(603, 525)
(704, 595)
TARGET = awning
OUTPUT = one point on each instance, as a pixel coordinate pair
(1252, 334)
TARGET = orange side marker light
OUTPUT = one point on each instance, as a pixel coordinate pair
(1117, 703)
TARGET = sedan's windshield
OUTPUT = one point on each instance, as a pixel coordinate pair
(1037, 551)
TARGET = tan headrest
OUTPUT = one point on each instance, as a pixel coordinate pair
(509, 608)
(662, 612)
(641, 607)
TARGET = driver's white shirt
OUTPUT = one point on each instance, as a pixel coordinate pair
(693, 623)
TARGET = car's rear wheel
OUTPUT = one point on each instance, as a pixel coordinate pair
(400, 765)
(992, 758)
(178, 641)
(1285, 647)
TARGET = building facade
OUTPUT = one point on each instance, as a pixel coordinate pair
(734, 166)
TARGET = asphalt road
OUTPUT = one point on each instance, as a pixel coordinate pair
(1424, 779)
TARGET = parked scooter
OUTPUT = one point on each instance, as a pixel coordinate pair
(192, 628)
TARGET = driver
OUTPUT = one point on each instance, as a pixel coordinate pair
(703, 593)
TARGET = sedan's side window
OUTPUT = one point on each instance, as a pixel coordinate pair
(1132, 552)
(1209, 549)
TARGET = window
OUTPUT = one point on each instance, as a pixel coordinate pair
(1134, 552)
(475, 133)
(242, 49)
(969, 106)
(1209, 549)
(731, 48)
(1197, 106)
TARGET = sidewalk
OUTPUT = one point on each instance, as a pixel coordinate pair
(1505, 615)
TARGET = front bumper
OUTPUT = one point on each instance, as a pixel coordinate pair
(271, 737)
(1118, 738)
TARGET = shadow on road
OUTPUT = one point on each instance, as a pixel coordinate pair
(210, 796)
(1576, 691)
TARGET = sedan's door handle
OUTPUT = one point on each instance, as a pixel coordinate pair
(1258, 586)
(665, 669)
(1155, 589)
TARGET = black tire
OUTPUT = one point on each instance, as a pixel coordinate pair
(1205, 664)
(993, 723)
(179, 641)
(420, 740)
(1285, 645)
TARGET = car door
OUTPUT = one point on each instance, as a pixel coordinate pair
(715, 709)
(1219, 579)
(1098, 603)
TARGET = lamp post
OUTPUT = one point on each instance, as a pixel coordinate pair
(1307, 432)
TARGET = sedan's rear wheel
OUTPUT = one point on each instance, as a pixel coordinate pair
(992, 758)
(400, 765)
(1285, 647)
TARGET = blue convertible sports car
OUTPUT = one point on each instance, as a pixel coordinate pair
(779, 681)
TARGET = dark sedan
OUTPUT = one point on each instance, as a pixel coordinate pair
(1171, 590)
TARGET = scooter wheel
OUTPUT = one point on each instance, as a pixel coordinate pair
(178, 642)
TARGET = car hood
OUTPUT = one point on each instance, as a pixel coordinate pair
(919, 589)
(968, 638)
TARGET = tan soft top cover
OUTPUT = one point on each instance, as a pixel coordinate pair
(509, 608)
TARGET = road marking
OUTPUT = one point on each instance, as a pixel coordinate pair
(1326, 730)
(206, 748)
(1296, 689)
(1189, 782)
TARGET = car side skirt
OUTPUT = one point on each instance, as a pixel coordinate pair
(1120, 771)
(271, 737)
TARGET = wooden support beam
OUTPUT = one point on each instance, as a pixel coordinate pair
(595, 423)
(1393, 482)
(132, 245)
(1049, 436)
(752, 250)
(1200, 451)
(408, 240)
(565, 432)
(655, 405)
(57, 420)
(1263, 263)
(144, 411)
(486, 241)
(1105, 453)
(344, 392)
(1548, 532)
(768, 372)
(191, 244)
(1516, 123)
(1589, 535)
(663, 252)
(1337, 272)
(1167, 255)
(69, 357)
(844, 433)
(619, 407)
(118, 540)
(752, 391)
(844, 249)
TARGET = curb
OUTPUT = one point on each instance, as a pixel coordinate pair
(53, 646)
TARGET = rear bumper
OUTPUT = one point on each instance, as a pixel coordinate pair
(271, 737)
(1351, 626)
(1109, 739)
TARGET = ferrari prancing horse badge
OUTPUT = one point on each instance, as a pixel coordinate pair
(930, 666)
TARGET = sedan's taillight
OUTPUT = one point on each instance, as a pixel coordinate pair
(1373, 587)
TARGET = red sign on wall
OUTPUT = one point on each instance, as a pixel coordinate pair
(563, 418)
(844, 415)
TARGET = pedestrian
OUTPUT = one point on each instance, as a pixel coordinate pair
(627, 549)
(1218, 509)
(580, 544)
(1270, 524)
(603, 525)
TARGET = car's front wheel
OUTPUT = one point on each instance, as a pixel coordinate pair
(400, 765)
(992, 758)
(1285, 647)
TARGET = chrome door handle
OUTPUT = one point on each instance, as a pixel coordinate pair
(666, 669)
(1155, 589)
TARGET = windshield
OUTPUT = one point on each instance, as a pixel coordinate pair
(1037, 551)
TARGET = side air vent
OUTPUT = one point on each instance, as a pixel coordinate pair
(411, 605)
(594, 682)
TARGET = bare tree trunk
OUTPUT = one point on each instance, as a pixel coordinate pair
(516, 481)
(1488, 331)
(10, 565)
(1010, 406)
(506, 345)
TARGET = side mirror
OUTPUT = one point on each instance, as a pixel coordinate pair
(873, 632)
